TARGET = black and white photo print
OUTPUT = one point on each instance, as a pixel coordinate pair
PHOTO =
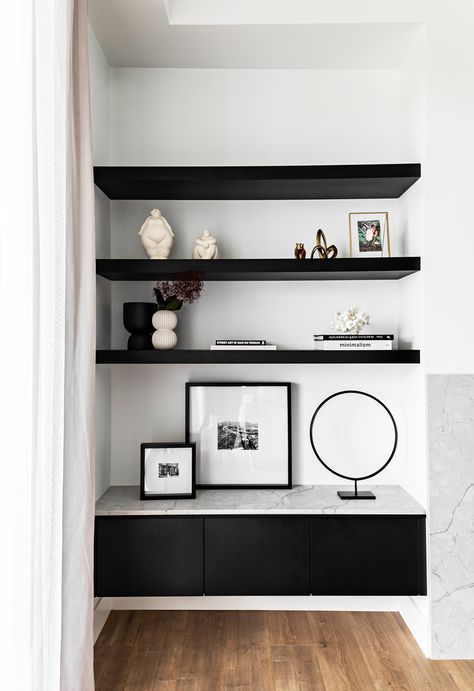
(167, 471)
(242, 434)
(232, 434)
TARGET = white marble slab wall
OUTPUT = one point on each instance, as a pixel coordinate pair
(451, 491)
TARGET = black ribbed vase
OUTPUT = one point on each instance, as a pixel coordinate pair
(137, 318)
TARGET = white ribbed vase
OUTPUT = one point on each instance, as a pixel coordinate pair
(164, 337)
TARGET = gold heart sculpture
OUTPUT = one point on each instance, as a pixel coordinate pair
(322, 248)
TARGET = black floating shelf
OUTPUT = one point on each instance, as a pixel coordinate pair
(381, 181)
(278, 357)
(383, 268)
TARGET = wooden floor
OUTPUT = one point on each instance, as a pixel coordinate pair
(262, 651)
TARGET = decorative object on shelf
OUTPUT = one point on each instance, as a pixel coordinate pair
(205, 247)
(353, 342)
(354, 435)
(242, 433)
(137, 319)
(300, 252)
(242, 344)
(321, 247)
(164, 338)
(350, 321)
(167, 471)
(157, 236)
(369, 234)
(170, 297)
(243, 347)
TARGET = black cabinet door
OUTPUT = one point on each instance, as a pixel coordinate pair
(257, 555)
(368, 555)
(137, 556)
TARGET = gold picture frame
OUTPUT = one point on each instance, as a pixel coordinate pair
(369, 234)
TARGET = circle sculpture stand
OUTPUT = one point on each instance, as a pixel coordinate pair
(356, 493)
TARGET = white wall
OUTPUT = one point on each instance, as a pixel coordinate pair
(412, 117)
(449, 189)
(285, 313)
(179, 117)
(100, 100)
(448, 173)
(151, 400)
(99, 81)
(103, 331)
(252, 117)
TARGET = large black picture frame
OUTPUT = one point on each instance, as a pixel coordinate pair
(287, 484)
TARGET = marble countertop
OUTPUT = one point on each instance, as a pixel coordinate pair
(302, 499)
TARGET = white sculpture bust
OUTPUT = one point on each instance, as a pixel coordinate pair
(206, 247)
(157, 236)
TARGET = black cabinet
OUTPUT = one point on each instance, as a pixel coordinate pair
(257, 555)
(138, 556)
(368, 555)
(260, 555)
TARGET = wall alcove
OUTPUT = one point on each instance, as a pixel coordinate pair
(260, 185)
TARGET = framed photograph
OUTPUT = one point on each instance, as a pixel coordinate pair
(369, 235)
(242, 434)
(167, 471)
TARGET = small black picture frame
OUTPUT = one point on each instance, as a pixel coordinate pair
(170, 463)
(272, 419)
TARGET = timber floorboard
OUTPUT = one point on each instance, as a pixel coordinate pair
(267, 651)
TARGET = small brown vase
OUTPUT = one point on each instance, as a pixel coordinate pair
(300, 252)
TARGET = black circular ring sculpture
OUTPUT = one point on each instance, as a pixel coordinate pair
(356, 494)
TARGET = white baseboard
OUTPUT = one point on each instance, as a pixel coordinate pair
(415, 612)
(100, 616)
(410, 608)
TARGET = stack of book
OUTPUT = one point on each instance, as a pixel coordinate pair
(353, 342)
(242, 344)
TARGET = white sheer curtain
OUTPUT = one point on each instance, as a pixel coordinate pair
(47, 342)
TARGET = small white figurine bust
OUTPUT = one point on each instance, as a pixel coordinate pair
(157, 236)
(206, 247)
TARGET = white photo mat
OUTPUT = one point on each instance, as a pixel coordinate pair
(241, 434)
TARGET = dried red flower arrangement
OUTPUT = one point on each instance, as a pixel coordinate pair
(171, 295)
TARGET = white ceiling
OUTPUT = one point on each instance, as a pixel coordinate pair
(137, 33)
